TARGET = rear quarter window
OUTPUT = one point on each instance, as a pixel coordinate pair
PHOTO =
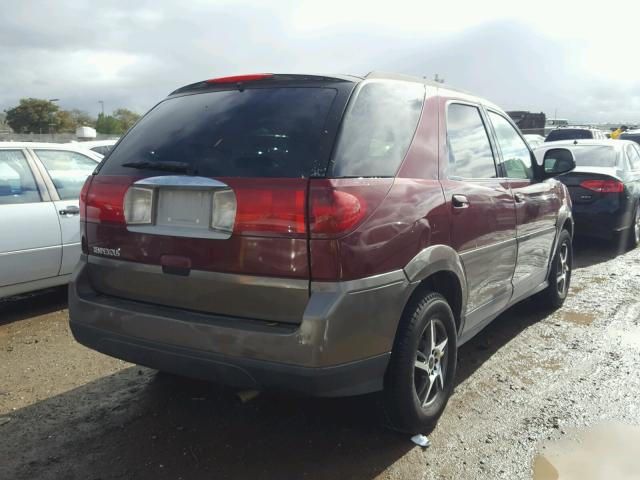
(377, 129)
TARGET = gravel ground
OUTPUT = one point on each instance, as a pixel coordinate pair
(537, 394)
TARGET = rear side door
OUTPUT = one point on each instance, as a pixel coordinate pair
(482, 212)
(537, 205)
(66, 171)
(30, 247)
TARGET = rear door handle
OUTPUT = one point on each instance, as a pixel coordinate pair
(460, 201)
(519, 198)
(70, 210)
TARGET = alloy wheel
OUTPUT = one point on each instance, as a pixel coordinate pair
(431, 362)
(564, 269)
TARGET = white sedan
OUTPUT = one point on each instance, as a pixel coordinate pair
(534, 140)
(99, 146)
(40, 187)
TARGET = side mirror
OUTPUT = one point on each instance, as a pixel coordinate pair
(557, 161)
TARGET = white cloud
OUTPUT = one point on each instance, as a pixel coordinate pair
(569, 55)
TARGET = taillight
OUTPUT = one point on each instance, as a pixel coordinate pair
(105, 199)
(138, 206)
(273, 209)
(83, 214)
(83, 197)
(223, 215)
(334, 212)
(603, 186)
(338, 206)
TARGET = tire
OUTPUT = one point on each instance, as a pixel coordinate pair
(634, 232)
(560, 274)
(411, 372)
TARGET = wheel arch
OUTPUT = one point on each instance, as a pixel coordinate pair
(438, 268)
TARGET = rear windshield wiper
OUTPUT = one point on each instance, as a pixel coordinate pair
(181, 167)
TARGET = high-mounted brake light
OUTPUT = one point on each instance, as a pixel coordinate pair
(241, 78)
(603, 186)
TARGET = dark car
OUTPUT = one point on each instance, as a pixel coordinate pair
(325, 235)
(604, 188)
(574, 133)
(633, 135)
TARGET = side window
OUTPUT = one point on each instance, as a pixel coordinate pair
(377, 129)
(516, 158)
(470, 154)
(68, 171)
(17, 184)
(634, 157)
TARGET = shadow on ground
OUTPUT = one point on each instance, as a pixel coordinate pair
(591, 251)
(137, 424)
(21, 307)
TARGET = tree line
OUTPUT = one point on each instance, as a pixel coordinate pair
(34, 115)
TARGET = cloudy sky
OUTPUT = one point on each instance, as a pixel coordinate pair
(577, 58)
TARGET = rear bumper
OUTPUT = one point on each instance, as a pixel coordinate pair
(341, 347)
(359, 377)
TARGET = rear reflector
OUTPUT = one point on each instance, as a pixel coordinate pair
(603, 186)
(241, 78)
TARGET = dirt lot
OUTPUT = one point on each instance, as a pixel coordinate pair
(537, 394)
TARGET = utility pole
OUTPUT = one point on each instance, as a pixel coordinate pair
(101, 102)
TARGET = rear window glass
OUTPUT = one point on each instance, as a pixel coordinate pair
(568, 134)
(267, 132)
(595, 156)
(377, 129)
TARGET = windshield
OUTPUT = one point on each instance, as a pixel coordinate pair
(594, 156)
(266, 132)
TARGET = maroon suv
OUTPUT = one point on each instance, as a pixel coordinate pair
(325, 235)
